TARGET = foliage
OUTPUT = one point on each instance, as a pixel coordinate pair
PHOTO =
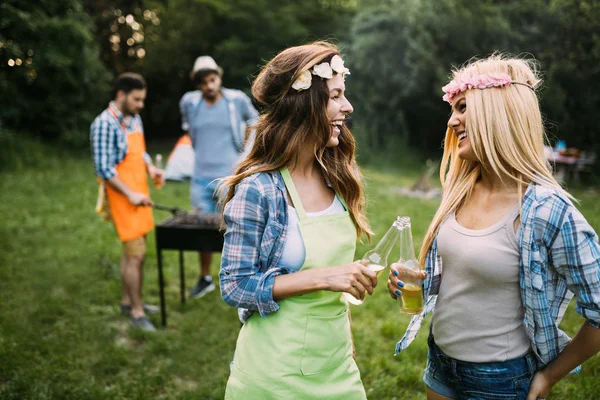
(61, 336)
(403, 51)
(400, 53)
(50, 76)
(120, 33)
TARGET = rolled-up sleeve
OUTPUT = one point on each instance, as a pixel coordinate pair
(243, 283)
(576, 256)
(103, 148)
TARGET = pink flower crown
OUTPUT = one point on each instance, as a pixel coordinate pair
(494, 79)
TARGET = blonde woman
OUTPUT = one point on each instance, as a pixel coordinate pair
(294, 210)
(513, 247)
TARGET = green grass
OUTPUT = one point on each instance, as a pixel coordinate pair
(61, 336)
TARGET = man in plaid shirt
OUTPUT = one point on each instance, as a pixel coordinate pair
(122, 164)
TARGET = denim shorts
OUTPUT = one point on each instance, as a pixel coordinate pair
(205, 195)
(474, 381)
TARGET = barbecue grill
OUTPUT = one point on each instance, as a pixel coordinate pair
(185, 231)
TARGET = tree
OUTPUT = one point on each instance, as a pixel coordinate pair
(403, 50)
(51, 76)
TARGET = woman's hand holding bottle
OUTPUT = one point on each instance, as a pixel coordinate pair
(400, 273)
(376, 258)
(354, 278)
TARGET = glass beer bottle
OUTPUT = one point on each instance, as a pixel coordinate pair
(378, 256)
(158, 163)
(412, 293)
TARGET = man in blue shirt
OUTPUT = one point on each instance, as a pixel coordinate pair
(217, 120)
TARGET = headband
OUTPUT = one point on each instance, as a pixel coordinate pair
(493, 79)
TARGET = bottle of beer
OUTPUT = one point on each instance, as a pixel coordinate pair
(411, 300)
(378, 256)
(157, 181)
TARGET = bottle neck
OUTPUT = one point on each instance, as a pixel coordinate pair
(386, 244)
(407, 247)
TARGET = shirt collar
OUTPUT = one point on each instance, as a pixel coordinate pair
(117, 112)
(126, 121)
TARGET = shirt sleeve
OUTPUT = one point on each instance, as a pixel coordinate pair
(249, 113)
(243, 284)
(102, 135)
(183, 110)
(576, 256)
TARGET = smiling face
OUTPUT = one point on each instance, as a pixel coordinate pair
(338, 107)
(458, 123)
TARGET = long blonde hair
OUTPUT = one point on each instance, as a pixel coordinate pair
(504, 126)
(294, 120)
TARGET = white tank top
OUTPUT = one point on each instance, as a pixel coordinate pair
(479, 313)
(294, 252)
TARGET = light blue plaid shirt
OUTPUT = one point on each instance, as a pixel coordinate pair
(256, 219)
(560, 256)
(109, 142)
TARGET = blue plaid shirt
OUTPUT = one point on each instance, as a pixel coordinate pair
(256, 219)
(560, 256)
(109, 142)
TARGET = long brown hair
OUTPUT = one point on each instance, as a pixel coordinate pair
(293, 120)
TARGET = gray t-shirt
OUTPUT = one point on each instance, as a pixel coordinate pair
(479, 313)
(217, 130)
(215, 151)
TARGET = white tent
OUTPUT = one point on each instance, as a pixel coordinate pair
(180, 164)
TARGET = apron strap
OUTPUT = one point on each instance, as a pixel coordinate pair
(136, 126)
(342, 201)
(289, 184)
(114, 114)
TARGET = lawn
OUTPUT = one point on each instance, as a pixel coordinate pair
(61, 336)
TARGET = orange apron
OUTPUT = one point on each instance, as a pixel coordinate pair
(131, 221)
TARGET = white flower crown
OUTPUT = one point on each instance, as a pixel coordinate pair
(324, 70)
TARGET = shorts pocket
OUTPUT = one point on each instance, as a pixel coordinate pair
(491, 383)
(327, 343)
(432, 365)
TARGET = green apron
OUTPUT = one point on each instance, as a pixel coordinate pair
(304, 350)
